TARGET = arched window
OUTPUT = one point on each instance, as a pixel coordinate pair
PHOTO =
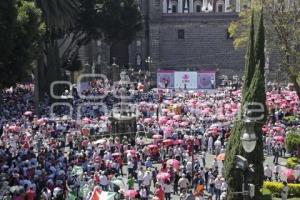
(173, 5)
(220, 8)
(174, 8)
(197, 6)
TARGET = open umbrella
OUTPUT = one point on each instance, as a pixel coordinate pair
(152, 146)
(168, 142)
(130, 193)
(178, 141)
(132, 152)
(177, 117)
(279, 138)
(100, 141)
(221, 157)
(162, 176)
(157, 136)
(148, 120)
(174, 163)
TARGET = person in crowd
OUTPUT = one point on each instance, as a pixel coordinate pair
(183, 183)
(285, 191)
(268, 173)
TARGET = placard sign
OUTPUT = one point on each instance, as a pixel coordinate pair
(206, 80)
(186, 80)
(165, 78)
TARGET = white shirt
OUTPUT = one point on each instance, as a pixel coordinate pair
(168, 188)
(183, 182)
(267, 172)
(147, 179)
(140, 175)
(103, 180)
(218, 184)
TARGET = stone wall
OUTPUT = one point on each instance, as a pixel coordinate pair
(205, 45)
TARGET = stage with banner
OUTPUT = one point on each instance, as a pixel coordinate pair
(186, 80)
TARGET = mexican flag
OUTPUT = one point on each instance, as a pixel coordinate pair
(102, 195)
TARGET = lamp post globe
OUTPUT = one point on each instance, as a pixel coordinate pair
(249, 138)
(249, 142)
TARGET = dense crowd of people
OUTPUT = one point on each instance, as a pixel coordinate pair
(180, 153)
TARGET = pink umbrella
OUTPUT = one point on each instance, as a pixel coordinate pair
(162, 176)
(130, 193)
(168, 130)
(85, 143)
(289, 173)
(132, 152)
(147, 120)
(104, 118)
(170, 122)
(41, 121)
(157, 136)
(174, 163)
(28, 113)
(168, 142)
(178, 142)
(162, 121)
(14, 129)
(152, 146)
(177, 117)
(279, 138)
(86, 120)
(265, 129)
(184, 124)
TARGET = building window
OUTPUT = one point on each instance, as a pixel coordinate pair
(198, 8)
(174, 9)
(220, 8)
(180, 34)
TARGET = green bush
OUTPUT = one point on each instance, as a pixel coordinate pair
(266, 194)
(290, 118)
(292, 141)
(276, 187)
(292, 162)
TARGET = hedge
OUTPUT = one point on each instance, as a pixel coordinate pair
(292, 141)
(292, 162)
(276, 187)
(266, 194)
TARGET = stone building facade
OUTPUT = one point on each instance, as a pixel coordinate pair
(182, 35)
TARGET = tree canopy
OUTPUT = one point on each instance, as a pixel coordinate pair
(282, 21)
(20, 29)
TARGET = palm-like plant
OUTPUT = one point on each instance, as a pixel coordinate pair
(59, 15)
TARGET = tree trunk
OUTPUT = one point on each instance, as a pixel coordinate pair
(53, 71)
(119, 51)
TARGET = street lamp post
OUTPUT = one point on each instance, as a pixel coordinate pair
(148, 61)
(249, 138)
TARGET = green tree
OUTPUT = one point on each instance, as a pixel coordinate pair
(20, 39)
(120, 22)
(255, 93)
(60, 18)
(282, 21)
